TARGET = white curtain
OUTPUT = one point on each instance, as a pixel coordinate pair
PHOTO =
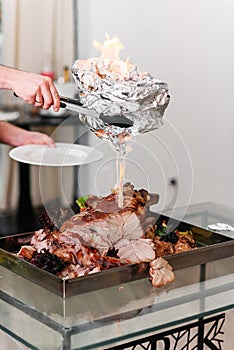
(38, 32)
(35, 33)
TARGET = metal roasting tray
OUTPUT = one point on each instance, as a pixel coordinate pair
(210, 246)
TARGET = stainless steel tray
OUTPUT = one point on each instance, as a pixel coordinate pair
(211, 246)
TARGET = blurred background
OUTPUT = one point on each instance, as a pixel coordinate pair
(187, 44)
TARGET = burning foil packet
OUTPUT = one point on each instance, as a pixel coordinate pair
(115, 88)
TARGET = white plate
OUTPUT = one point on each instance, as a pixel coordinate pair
(9, 116)
(65, 154)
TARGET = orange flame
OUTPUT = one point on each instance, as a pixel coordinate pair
(110, 48)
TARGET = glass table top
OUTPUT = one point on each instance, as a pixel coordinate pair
(111, 316)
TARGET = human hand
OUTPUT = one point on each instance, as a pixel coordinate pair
(15, 136)
(34, 137)
(35, 89)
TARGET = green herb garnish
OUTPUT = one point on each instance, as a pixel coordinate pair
(165, 235)
(81, 202)
(161, 231)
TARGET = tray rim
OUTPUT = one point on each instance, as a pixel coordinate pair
(127, 273)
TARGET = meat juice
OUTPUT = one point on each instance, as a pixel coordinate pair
(118, 135)
(120, 168)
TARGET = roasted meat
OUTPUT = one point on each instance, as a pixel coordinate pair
(72, 258)
(168, 242)
(161, 272)
(103, 236)
(102, 224)
(133, 200)
(101, 230)
(162, 248)
(27, 252)
(185, 242)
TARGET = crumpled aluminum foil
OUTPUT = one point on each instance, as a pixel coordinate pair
(114, 88)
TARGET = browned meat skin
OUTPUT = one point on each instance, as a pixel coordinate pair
(109, 204)
(52, 219)
(161, 273)
(65, 254)
(26, 251)
(135, 200)
(184, 243)
(162, 248)
(87, 261)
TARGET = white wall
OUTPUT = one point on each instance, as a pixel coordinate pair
(188, 44)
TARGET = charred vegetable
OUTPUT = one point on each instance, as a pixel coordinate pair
(53, 219)
(47, 261)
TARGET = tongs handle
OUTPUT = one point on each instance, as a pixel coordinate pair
(72, 101)
(75, 105)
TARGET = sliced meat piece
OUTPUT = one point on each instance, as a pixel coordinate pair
(161, 277)
(27, 252)
(161, 272)
(104, 232)
(42, 240)
(67, 239)
(73, 271)
(136, 251)
(160, 263)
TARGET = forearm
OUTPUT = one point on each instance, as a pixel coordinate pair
(10, 134)
(15, 136)
(7, 75)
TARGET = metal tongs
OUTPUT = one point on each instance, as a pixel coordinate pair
(219, 226)
(75, 105)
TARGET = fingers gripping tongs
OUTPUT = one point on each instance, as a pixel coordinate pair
(76, 106)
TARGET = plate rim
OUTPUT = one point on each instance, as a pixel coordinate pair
(99, 154)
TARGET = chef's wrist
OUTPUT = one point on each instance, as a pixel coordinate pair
(8, 77)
